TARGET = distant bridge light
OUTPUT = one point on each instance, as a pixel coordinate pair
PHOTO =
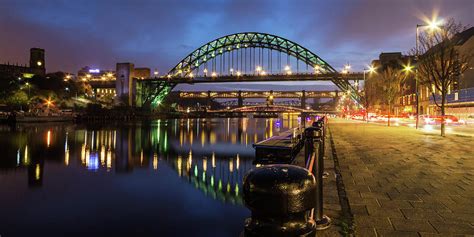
(287, 68)
(191, 75)
(214, 74)
(258, 69)
(239, 73)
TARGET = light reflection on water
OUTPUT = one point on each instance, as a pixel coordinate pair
(209, 155)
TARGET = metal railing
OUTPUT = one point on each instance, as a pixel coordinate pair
(315, 144)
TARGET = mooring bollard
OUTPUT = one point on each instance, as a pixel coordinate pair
(280, 198)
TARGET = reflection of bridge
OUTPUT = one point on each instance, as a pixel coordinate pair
(242, 57)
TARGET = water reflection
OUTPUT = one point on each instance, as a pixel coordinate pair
(211, 155)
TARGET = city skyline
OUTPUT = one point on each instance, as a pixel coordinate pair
(159, 34)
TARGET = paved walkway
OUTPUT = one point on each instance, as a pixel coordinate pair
(404, 182)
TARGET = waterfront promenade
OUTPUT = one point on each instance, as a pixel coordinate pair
(404, 182)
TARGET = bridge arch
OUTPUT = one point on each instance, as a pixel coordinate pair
(237, 41)
(152, 92)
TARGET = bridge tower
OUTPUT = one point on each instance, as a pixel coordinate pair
(124, 83)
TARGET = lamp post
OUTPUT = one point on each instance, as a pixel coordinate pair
(433, 25)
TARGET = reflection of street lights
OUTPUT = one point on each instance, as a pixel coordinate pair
(433, 25)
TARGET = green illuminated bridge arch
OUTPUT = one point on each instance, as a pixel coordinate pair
(188, 69)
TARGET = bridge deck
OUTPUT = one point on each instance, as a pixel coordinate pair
(258, 78)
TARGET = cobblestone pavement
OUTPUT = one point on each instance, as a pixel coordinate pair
(404, 182)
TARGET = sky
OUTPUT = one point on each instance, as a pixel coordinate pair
(159, 33)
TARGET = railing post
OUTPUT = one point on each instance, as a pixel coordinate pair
(322, 221)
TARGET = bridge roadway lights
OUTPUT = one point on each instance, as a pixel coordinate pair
(280, 198)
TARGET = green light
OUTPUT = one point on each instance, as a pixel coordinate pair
(212, 180)
(195, 170)
(220, 185)
(203, 176)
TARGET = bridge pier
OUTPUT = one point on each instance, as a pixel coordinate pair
(240, 100)
(270, 98)
(303, 99)
(209, 99)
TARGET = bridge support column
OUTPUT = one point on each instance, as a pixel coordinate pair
(270, 98)
(240, 100)
(303, 99)
(209, 99)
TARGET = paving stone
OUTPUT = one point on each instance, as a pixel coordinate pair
(396, 233)
(365, 232)
(372, 221)
(421, 214)
(453, 228)
(411, 225)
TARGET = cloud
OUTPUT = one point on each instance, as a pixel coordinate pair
(158, 34)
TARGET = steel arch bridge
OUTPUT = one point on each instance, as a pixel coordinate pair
(153, 91)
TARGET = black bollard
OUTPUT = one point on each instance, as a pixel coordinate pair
(280, 198)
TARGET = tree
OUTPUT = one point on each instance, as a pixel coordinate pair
(18, 98)
(391, 85)
(440, 62)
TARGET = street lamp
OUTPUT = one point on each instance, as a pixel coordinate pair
(258, 69)
(434, 24)
(28, 86)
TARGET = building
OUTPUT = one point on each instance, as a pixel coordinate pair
(106, 83)
(37, 66)
(460, 98)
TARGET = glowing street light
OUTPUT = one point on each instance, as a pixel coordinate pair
(205, 72)
(238, 73)
(258, 69)
(213, 74)
(371, 69)
(408, 68)
(191, 75)
(231, 71)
